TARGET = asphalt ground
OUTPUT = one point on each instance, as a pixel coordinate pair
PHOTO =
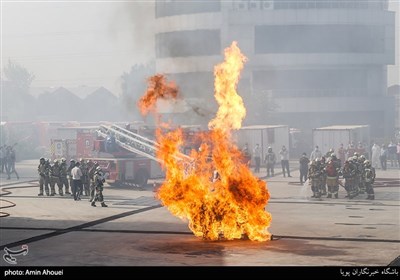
(137, 231)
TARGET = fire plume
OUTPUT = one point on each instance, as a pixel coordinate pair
(214, 189)
(158, 88)
(231, 110)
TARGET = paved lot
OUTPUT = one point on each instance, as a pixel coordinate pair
(135, 230)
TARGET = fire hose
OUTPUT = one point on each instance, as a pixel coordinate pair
(6, 191)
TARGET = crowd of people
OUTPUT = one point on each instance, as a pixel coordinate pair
(84, 178)
(324, 172)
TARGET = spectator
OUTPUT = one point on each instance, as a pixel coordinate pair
(342, 154)
(383, 157)
(375, 157)
(285, 161)
(270, 160)
(2, 158)
(10, 162)
(398, 154)
(392, 150)
(257, 158)
(316, 154)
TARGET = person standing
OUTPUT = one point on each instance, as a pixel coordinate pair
(257, 158)
(304, 161)
(64, 175)
(76, 174)
(391, 154)
(92, 171)
(270, 160)
(342, 154)
(10, 162)
(246, 154)
(42, 177)
(285, 161)
(369, 179)
(99, 182)
(55, 179)
(71, 183)
(314, 175)
(2, 158)
(376, 152)
(398, 153)
(383, 157)
(315, 154)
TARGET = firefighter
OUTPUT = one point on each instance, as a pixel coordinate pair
(349, 174)
(315, 177)
(361, 171)
(63, 175)
(92, 171)
(42, 177)
(99, 182)
(304, 161)
(55, 179)
(332, 177)
(47, 174)
(322, 165)
(357, 177)
(369, 179)
(85, 177)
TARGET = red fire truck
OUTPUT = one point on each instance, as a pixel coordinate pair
(122, 167)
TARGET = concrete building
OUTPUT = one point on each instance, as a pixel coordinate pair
(310, 63)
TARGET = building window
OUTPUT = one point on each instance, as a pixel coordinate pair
(173, 8)
(311, 83)
(188, 43)
(319, 39)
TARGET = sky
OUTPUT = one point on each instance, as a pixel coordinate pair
(91, 43)
(74, 44)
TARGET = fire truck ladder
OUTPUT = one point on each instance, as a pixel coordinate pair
(134, 142)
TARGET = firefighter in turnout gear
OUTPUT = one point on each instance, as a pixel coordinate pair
(361, 167)
(315, 174)
(349, 174)
(85, 177)
(369, 179)
(357, 177)
(99, 182)
(55, 178)
(42, 177)
(92, 171)
(323, 176)
(332, 169)
(63, 175)
(47, 181)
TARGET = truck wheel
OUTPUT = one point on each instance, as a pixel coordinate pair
(141, 178)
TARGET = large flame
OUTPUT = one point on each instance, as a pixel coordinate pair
(232, 204)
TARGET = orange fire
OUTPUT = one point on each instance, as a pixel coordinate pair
(232, 204)
(158, 88)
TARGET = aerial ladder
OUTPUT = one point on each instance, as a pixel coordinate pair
(135, 143)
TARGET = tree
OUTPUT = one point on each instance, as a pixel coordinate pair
(18, 76)
(17, 103)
